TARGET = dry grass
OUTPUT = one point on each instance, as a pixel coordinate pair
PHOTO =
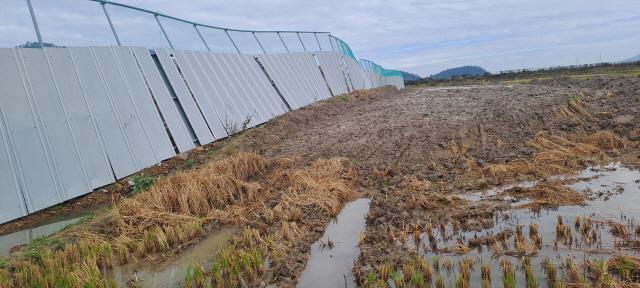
(554, 155)
(547, 194)
(322, 187)
(574, 109)
(176, 208)
(607, 141)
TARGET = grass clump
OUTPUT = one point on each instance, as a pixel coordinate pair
(141, 183)
(195, 277)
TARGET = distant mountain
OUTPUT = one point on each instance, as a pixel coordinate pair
(410, 76)
(633, 59)
(459, 72)
(37, 45)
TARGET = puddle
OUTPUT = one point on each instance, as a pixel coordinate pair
(171, 273)
(332, 256)
(491, 193)
(9, 241)
(614, 197)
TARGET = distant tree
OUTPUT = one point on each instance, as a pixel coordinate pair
(37, 45)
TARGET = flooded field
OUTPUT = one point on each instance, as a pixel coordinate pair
(542, 247)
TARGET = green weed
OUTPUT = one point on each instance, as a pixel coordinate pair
(141, 183)
(509, 279)
(195, 276)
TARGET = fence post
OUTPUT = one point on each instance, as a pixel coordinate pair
(232, 42)
(201, 38)
(163, 32)
(35, 23)
(282, 40)
(316, 35)
(257, 40)
(305, 48)
(113, 28)
(331, 41)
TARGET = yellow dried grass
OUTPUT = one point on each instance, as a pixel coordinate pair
(323, 186)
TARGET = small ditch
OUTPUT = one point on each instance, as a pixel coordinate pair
(332, 257)
(171, 273)
(26, 236)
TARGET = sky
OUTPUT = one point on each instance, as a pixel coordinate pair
(422, 37)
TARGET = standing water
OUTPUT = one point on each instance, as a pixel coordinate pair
(171, 273)
(9, 241)
(548, 237)
(332, 256)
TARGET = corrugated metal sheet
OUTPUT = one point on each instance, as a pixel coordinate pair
(131, 123)
(357, 75)
(73, 96)
(297, 76)
(143, 104)
(60, 139)
(111, 133)
(175, 122)
(247, 84)
(192, 73)
(185, 97)
(330, 63)
(13, 205)
(229, 87)
(24, 135)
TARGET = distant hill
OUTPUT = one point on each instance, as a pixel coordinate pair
(37, 45)
(633, 59)
(410, 76)
(459, 72)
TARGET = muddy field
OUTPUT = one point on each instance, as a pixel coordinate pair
(454, 182)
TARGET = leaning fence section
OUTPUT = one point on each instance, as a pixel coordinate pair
(78, 118)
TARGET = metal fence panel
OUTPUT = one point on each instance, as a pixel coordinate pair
(311, 73)
(356, 74)
(192, 78)
(247, 79)
(262, 90)
(143, 104)
(90, 148)
(185, 98)
(305, 78)
(117, 146)
(238, 94)
(11, 195)
(124, 107)
(290, 81)
(217, 91)
(278, 75)
(57, 131)
(171, 115)
(330, 63)
(33, 167)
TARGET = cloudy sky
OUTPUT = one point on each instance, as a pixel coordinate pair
(423, 37)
